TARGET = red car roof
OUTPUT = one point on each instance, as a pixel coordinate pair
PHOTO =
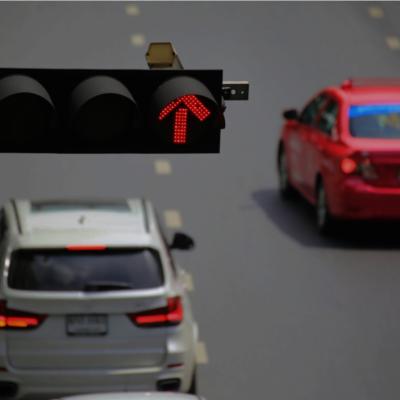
(368, 93)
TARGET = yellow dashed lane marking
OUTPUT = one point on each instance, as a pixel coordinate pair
(173, 219)
(138, 40)
(162, 167)
(201, 353)
(393, 42)
(375, 12)
(132, 10)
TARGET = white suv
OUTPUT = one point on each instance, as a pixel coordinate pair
(91, 301)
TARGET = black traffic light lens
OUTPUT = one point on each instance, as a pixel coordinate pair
(27, 114)
(103, 112)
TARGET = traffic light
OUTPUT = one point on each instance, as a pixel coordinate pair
(162, 110)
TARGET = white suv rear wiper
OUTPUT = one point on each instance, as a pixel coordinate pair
(97, 286)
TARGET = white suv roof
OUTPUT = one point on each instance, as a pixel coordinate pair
(134, 396)
(83, 222)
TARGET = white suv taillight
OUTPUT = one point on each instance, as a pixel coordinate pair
(16, 319)
(170, 315)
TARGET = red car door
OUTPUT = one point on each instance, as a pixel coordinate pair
(319, 140)
(294, 150)
(306, 127)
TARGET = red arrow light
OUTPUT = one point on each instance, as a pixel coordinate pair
(180, 126)
(192, 103)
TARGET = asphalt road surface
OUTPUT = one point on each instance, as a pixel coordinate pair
(284, 314)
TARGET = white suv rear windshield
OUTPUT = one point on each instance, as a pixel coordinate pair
(380, 121)
(63, 270)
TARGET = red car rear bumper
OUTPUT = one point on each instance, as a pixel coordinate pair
(356, 199)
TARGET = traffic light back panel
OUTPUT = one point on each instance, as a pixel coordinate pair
(110, 111)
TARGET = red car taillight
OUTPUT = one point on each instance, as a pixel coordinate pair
(15, 319)
(358, 165)
(170, 315)
(348, 165)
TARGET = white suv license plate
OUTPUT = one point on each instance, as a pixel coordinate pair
(87, 325)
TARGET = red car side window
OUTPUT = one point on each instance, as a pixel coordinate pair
(328, 117)
(310, 113)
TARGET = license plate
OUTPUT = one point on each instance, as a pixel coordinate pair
(87, 325)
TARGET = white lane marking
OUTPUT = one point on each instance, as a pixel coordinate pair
(132, 10)
(201, 353)
(138, 40)
(375, 12)
(393, 42)
(173, 219)
(162, 167)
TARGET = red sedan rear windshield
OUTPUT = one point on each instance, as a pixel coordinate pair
(63, 270)
(380, 121)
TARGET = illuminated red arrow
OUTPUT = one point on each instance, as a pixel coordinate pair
(200, 111)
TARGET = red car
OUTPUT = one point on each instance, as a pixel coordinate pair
(342, 152)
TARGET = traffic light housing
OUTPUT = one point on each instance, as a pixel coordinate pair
(110, 111)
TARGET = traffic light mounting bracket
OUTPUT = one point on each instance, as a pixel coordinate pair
(235, 90)
(162, 55)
